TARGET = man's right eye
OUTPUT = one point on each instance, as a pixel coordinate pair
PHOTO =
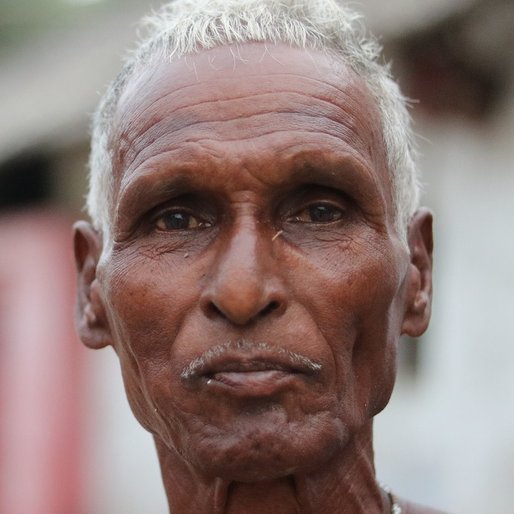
(179, 220)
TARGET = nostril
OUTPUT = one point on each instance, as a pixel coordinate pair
(269, 308)
(237, 312)
(214, 311)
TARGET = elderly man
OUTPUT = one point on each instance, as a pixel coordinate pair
(256, 250)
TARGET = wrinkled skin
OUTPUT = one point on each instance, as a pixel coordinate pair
(254, 285)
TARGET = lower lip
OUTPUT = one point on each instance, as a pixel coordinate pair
(251, 383)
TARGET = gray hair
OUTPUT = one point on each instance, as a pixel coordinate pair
(184, 27)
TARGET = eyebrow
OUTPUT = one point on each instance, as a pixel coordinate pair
(145, 190)
(355, 177)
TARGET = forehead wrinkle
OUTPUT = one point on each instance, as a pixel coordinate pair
(211, 132)
(333, 71)
(236, 100)
(282, 107)
(174, 125)
(182, 91)
(333, 96)
(297, 103)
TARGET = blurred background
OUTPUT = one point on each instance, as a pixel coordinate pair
(68, 443)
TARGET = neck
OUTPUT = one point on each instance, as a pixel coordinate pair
(344, 484)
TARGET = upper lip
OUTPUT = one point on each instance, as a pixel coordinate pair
(260, 358)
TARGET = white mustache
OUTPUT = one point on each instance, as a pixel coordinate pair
(243, 347)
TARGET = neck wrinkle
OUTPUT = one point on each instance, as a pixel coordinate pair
(345, 484)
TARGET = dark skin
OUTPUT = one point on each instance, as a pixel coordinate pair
(254, 285)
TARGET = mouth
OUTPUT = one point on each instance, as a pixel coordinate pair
(247, 369)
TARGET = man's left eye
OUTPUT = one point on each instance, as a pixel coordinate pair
(318, 213)
(180, 220)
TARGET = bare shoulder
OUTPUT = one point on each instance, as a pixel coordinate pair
(414, 508)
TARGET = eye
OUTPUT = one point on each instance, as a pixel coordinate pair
(318, 213)
(180, 220)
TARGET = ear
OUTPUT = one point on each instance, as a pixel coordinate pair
(90, 318)
(418, 306)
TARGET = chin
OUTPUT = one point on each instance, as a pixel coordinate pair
(265, 447)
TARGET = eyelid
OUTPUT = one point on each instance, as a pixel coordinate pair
(340, 204)
(160, 211)
(316, 195)
(315, 203)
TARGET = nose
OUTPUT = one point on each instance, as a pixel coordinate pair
(244, 283)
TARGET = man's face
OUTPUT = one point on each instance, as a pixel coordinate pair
(255, 286)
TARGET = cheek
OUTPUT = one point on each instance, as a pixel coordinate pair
(346, 289)
(148, 303)
(354, 295)
(378, 314)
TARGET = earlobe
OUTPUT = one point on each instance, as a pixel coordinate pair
(418, 306)
(90, 319)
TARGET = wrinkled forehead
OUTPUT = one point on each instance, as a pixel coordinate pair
(257, 66)
(244, 81)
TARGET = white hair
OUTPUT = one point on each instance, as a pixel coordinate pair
(184, 27)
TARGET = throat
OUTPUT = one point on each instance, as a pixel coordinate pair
(277, 496)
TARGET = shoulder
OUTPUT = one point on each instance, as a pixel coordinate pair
(414, 508)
